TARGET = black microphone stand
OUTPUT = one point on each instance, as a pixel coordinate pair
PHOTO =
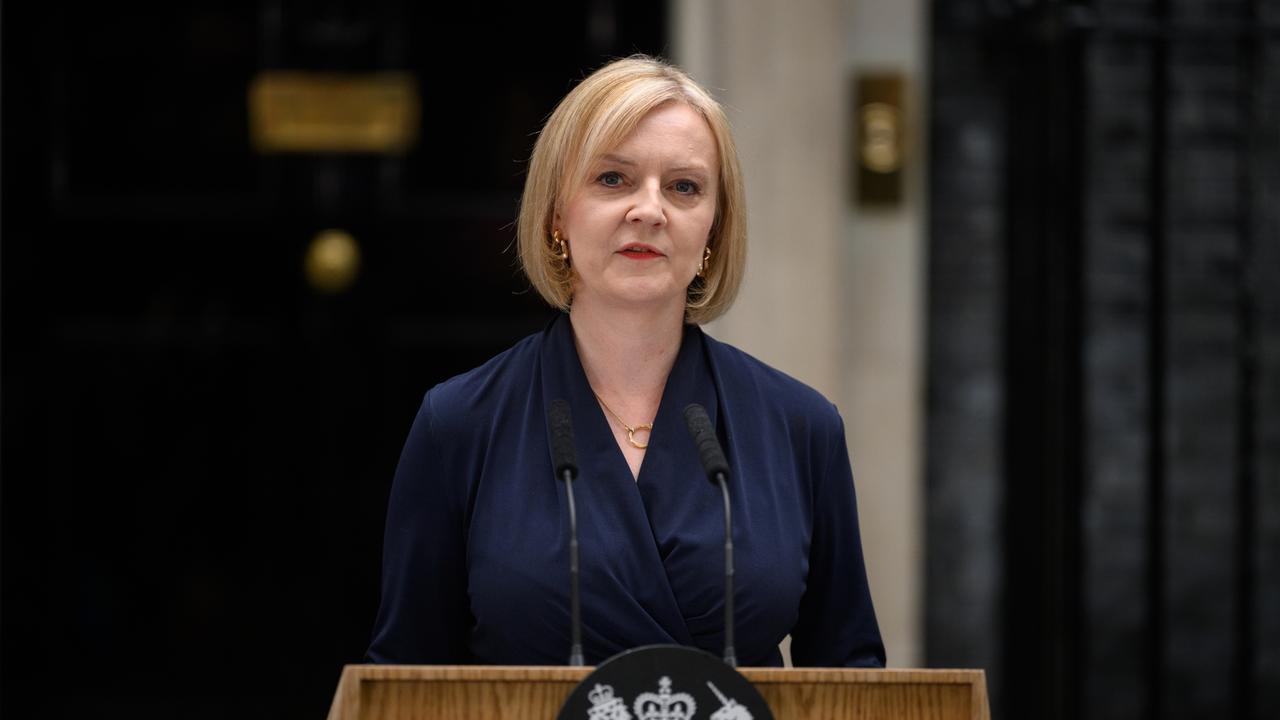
(563, 457)
(575, 596)
(730, 655)
(717, 468)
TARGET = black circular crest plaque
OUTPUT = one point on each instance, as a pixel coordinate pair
(664, 682)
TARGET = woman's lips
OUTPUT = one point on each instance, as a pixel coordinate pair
(640, 252)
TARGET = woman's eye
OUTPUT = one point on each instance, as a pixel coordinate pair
(686, 187)
(609, 179)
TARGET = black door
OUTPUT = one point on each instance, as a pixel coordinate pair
(197, 440)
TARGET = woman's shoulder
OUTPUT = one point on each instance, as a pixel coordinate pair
(769, 386)
(483, 390)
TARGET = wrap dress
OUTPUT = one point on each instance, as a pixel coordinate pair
(475, 559)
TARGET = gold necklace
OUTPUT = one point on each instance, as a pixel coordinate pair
(631, 431)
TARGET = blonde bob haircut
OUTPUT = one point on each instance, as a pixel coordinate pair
(594, 118)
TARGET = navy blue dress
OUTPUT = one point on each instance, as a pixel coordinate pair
(475, 564)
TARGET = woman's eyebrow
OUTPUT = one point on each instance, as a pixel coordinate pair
(701, 169)
(620, 160)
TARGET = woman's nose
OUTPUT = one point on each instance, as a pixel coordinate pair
(647, 207)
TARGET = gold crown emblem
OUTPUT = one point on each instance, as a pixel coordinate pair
(664, 705)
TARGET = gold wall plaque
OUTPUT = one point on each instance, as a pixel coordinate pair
(879, 139)
(880, 146)
(292, 111)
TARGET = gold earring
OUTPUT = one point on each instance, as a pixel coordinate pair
(706, 258)
(559, 248)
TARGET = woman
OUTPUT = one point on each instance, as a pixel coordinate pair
(632, 222)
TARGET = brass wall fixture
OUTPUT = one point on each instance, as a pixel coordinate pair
(332, 261)
(880, 139)
(292, 111)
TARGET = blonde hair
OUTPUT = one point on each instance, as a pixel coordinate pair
(592, 120)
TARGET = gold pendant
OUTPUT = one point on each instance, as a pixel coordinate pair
(631, 435)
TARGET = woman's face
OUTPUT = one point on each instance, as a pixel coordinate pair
(637, 227)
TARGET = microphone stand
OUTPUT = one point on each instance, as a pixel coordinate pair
(730, 657)
(575, 597)
(717, 469)
(563, 458)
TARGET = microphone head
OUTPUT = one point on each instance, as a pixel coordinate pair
(704, 436)
(563, 456)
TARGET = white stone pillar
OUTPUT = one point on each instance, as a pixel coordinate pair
(833, 294)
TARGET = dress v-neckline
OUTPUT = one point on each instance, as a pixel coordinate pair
(681, 388)
(652, 499)
(618, 442)
(685, 355)
(619, 455)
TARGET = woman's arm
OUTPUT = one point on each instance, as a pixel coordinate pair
(424, 617)
(837, 624)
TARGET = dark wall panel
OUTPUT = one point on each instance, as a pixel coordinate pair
(1204, 272)
(1263, 271)
(964, 403)
(1137, 572)
(1115, 514)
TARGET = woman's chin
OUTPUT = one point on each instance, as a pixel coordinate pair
(640, 292)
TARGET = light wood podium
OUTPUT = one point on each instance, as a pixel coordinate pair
(422, 692)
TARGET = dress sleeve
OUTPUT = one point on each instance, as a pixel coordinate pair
(424, 617)
(837, 624)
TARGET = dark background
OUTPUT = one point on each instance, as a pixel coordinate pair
(1103, 483)
(197, 446)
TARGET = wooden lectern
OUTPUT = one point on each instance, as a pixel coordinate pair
(426, 692)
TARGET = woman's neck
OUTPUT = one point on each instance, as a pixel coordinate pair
(628, 353)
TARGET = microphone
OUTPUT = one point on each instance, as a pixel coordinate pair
(717, 469)
(564, 460)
